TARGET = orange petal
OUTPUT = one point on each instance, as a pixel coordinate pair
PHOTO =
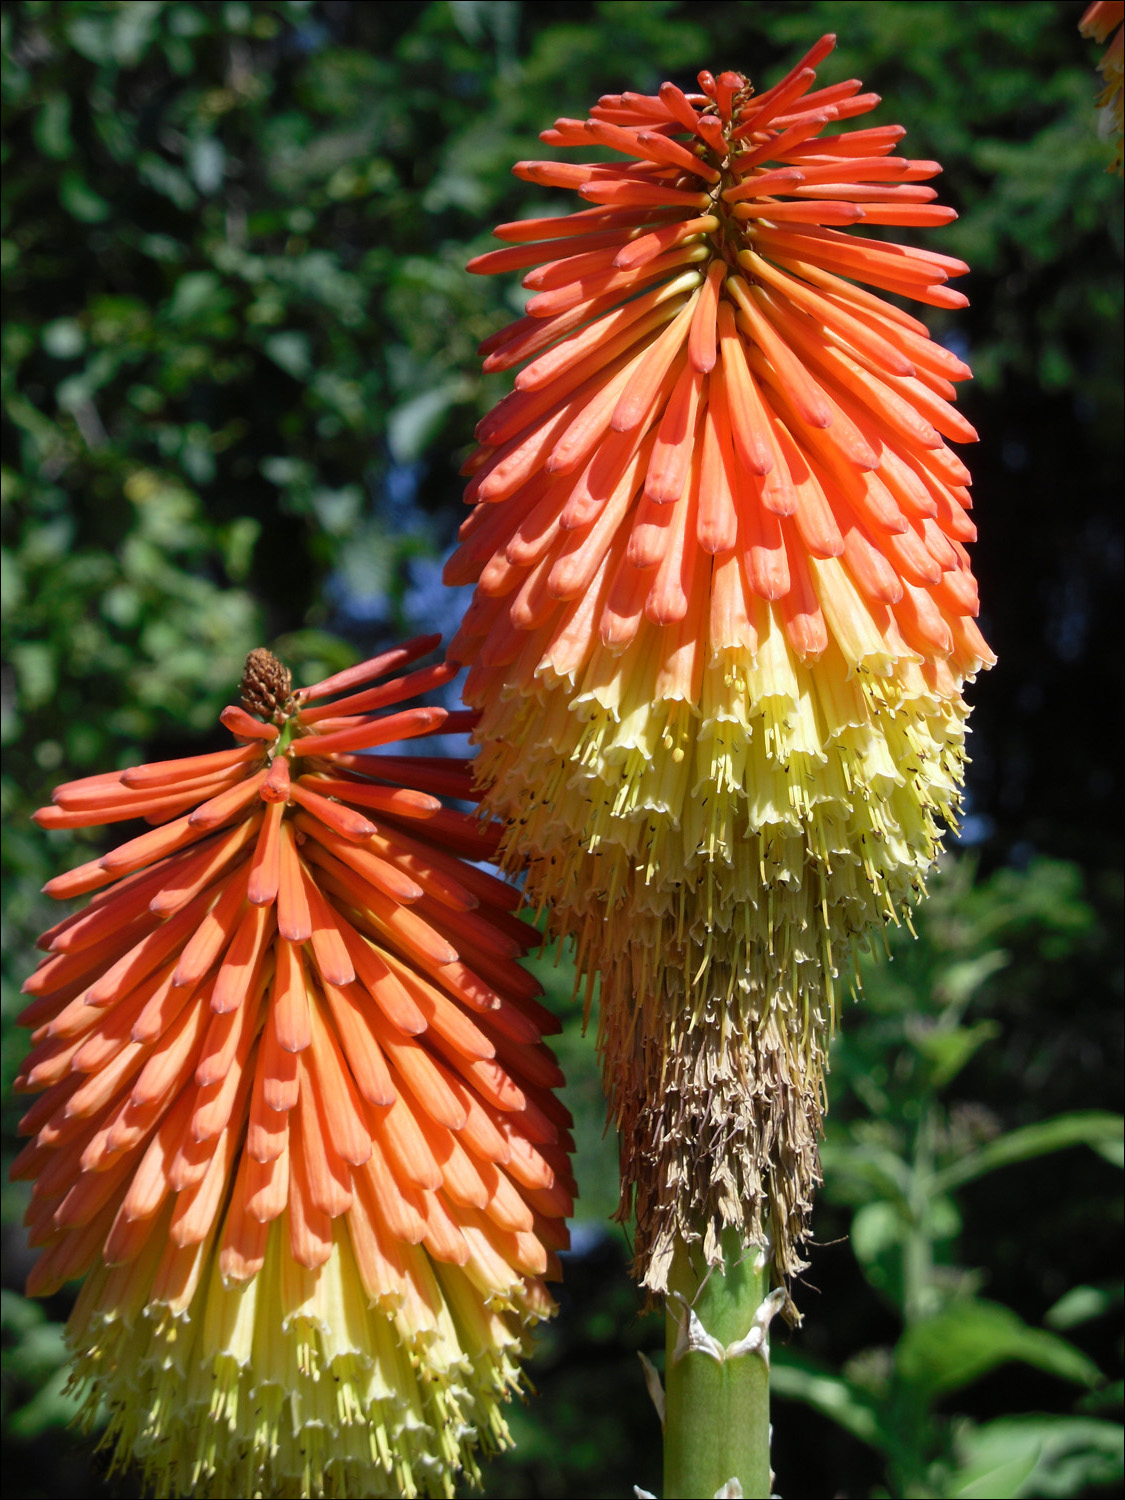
(100, 1087)
(290, 999)
(172, 1058)
(267, 1183)
(265, 865)
(222, 1060)
(71, 1256)
(652, 378)
(670, 597)
(182, 881)
(240, 723)
(391, 1212)
(670, 463)
(310, 1228)
(717, 521)
(92, 1193)
(242, 961)
(403, 802)
(383, 987)
(402, 726)
(150, 846)
(324, 1169)
(803, 390)
(275, 788)
(293, 919)
(365, 1060)
(417, 1073)
(736, 401)
(150, 1185)
(175, 772)
(197, 1207)
(242, 1250)
(330, 953)
(66, 974)
(374, 868)
(275, 1078)
(162, 1002)
(406, 1150)
(215, 930)
(345, 1125)
(342, 820)
(800, 608)
(377, 1258)
(443, 1239)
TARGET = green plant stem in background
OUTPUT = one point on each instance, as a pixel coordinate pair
(716, 1412)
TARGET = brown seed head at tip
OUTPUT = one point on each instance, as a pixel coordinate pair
(267, 687)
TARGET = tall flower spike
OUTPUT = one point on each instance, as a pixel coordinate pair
(295, 1123)
(724, 611)
(1098, 20)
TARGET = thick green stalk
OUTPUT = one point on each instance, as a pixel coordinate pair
(717, 1410)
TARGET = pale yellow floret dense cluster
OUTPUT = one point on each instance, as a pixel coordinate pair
(783, 808)
(303, 1382)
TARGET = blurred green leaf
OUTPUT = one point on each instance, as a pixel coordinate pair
(80, 200)
(1082, 1304)
(413, 425)
(1037, 1455)
(949, 1049)
(1092, 1128)
(35, 1358)
(997, 1480)
(960, 981)
(52, 127)
(795, 1379)
(970, 1337)
(196, 292)
(64, 338)
(862, 1169)
(291, 351)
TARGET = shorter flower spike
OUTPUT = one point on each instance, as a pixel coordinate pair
(294, 1120)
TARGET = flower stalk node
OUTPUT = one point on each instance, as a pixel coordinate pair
(693, 1337)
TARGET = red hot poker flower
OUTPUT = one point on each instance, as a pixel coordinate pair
(724, 611)
(295, 1121)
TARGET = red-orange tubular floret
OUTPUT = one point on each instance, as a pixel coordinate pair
(293, 995)
(697, 339)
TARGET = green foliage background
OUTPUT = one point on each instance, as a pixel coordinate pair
(239, 376)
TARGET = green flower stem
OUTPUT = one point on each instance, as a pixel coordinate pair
(716, 1414)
